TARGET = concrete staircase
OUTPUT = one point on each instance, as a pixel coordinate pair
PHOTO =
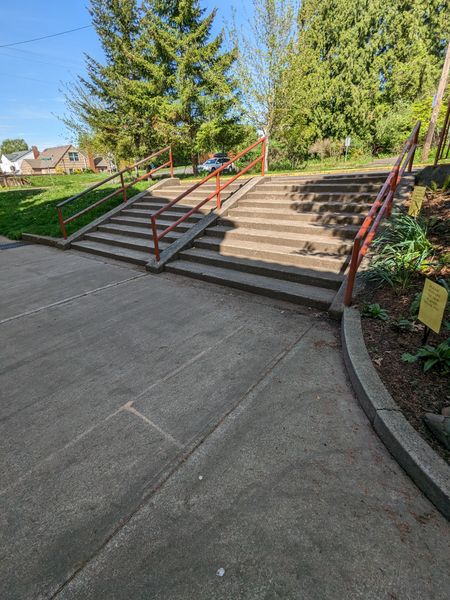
(290, 238)
(127, 235)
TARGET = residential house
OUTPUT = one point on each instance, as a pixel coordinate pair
(12, 163)
(61, 159)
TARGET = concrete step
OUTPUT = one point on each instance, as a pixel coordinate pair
(316, 207)
(275, 238)
(145, 223)
(289, 215)
(125, 254)
(178, 207)
(129, 241)
(371, 177)
(305, 227)
(267, 286)
(342, 198)
(171, 214)
(258, 267)
(282, 255)
(141, 232)
(320, 187)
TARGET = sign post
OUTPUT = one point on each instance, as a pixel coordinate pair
(348, 141)
(432, 307)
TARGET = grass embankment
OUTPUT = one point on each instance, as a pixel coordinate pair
(33, 209)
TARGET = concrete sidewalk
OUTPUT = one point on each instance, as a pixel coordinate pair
(155, 429)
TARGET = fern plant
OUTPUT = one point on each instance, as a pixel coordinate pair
(400, 252)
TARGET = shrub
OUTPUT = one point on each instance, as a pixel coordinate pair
(326, 148)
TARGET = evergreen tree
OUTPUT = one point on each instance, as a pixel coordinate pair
(122, 101)
(162, 81)
(358, 61)
(199, 86)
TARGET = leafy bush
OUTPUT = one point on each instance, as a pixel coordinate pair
(400, 252)
(392, 128)
(326, 148)
(437, 357)
(374, 311)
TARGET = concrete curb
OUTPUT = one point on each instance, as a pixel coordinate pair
(46, 240)
(65, 244)
(187, 239)
(426, 468)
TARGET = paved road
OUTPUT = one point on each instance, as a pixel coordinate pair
(154, 430)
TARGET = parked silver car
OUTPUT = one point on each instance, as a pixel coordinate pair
(214, 163)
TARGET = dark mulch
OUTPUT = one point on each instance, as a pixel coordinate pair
(414, 391)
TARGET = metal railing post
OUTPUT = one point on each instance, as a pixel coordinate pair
(155, 238)
(263, 157)
(171, 161)
(61, 223)
(393, 186)
(124, 191)
(352, 272)
(218, 190)
(415, 142)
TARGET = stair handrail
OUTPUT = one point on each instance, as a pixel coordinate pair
(443, 138)
(122, 189)
(219, 188)
(382, 206)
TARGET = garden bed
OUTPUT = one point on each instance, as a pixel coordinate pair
(416, 392)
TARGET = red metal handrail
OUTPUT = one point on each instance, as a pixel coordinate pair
(219, 188)
(443, 138)
(123, 187)
(382, 206)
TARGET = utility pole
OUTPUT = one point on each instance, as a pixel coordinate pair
(436, 105)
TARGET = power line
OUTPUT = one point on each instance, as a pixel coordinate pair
(44, 37)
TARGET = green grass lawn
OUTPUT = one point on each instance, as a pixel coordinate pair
(33, 209)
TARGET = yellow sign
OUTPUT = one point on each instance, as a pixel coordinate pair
(415, 203)
(432, 305)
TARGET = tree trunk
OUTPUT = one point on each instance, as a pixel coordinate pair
(194, 162)
(437, 105)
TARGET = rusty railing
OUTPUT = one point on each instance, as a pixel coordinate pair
(219, 188)
(444, 139)
(122, 189)
(381, 207)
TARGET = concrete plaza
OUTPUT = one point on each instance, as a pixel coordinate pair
(154, 430)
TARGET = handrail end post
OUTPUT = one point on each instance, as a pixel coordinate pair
(155, 238)
(62, 225)
(171, 161)
(352, 272)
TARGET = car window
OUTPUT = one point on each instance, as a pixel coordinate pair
(224, 160)
(211, 161)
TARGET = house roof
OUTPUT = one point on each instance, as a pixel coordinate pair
(100, 161)
(55, 154)
(16, 155)
(50, 157)
(37, 163)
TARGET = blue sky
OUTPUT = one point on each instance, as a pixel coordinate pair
(32, 75)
